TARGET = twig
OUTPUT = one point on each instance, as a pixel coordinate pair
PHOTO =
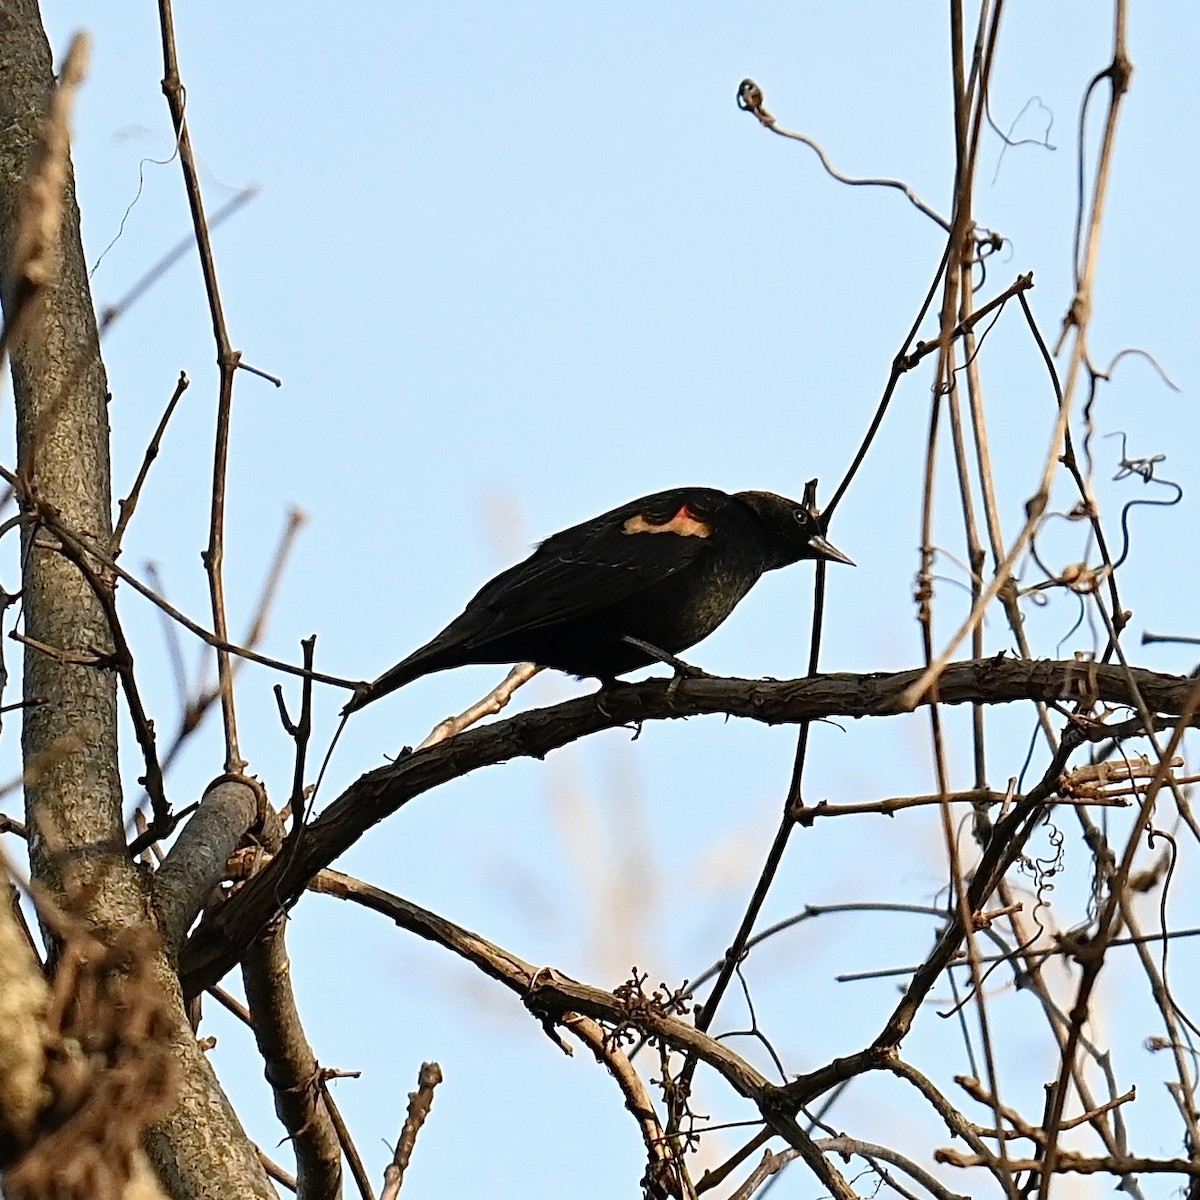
(734, 955)
(900, 364)
(974, 796)
(128, 505)
(666, 1170)
(195, 709)
(552, 996)
(64, 657)
(276, 1172)
(232, 1004)
(1092, 962)
(1022, 1128)
(872, 1151)
(419, 1104)
(545, 991)
(143, 846)
(750, 99)
(112, 312)
(970, 100)
(1068, 1162)
(1035, 507)
(227, 361)
(491, 704)
(1035, 956)
(772, 1163)
(361, 1179)
(300, 732)
(122, 663)
(171, 636)
(245, 366)
(712, 1178)
(807, 814)
(68, 535)
(1150, 639)
(955, 1122)
(12, 825)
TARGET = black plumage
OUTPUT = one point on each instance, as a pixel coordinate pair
(666, 570)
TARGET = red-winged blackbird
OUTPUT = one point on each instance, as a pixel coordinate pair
(663, 571)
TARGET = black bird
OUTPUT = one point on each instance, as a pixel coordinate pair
(663, 571)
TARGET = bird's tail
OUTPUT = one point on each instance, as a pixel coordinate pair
(425, 661)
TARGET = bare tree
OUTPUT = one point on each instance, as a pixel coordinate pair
(105, 1088)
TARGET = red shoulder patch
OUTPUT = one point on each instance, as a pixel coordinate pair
(684, 523)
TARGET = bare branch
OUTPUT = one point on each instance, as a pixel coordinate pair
(128, 505)
(113, 312)
(750, 99)
(84, 545)
(290, 1066)
(496, 700)
(361, 1179)
(379, 793)
(419, 1104)
(196, 861)
(227, 362)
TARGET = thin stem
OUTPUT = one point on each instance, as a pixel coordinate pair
(227, 362)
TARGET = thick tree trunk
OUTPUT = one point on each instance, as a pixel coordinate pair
(73, 790)
(73, 802)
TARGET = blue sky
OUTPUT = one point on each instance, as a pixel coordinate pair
(515, 265)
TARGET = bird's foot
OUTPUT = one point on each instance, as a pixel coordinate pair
(607, 687)
(682, 670)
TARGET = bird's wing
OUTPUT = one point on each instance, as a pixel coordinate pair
(602, 562)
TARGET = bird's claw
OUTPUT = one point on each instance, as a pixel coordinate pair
(682, 670)
(607, 686)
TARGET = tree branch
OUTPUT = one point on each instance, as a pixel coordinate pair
(196, 861)
(291, 1067)
(220, 940)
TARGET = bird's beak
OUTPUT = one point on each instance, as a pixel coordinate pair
(828, 550)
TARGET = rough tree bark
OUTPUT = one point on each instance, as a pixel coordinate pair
(69, 741)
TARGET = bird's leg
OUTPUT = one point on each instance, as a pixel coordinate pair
(682, 670)
(493, 702)
(608, 685)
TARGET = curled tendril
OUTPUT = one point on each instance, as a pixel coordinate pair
(1144, 469)
(987, 243)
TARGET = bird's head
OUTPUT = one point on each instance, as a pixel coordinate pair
(792, 528)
